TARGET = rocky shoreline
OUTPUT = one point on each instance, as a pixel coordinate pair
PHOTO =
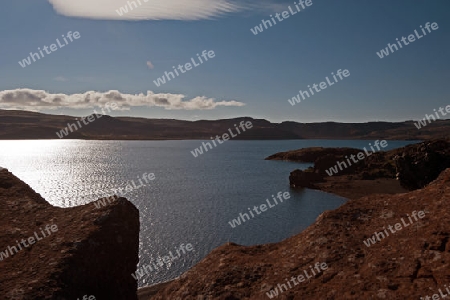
(395, 171)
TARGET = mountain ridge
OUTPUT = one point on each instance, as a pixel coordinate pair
(17, 124)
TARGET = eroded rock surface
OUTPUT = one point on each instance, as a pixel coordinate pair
(93, 252)
(417, 165)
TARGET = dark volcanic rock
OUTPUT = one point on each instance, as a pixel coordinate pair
(414, 165)
(418, 165)
(93, 252)
(308, 179)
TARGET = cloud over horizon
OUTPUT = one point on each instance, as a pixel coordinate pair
(38, 100)
(146, 9)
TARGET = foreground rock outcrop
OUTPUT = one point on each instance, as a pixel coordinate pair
(410, 263)
(417, 165)
(92, 252)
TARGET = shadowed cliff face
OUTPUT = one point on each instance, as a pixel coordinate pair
(409, 263)
(92, 252)
(419, 164)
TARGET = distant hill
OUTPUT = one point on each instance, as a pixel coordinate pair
(16, 124)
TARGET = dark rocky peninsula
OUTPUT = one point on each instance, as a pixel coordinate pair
(395, 171)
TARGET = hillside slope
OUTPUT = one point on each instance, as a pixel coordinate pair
(31, 125)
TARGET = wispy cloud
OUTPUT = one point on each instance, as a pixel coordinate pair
(145, 9)
(38, 100)
(60, 78)
(150, 65)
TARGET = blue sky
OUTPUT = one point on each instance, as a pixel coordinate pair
(261, 71)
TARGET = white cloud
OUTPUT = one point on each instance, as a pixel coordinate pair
(146, 9)
(38, 99)
(150, 65)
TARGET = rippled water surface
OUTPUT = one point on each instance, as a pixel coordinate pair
(190, 201)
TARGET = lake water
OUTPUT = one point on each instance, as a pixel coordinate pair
(190, 201)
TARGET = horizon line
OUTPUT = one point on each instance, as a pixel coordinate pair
(212, 120)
